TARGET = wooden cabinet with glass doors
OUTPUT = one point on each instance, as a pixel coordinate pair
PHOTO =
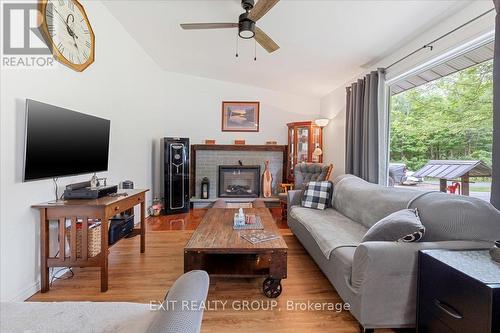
(303, 138)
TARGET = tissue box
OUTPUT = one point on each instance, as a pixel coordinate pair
(238, 221)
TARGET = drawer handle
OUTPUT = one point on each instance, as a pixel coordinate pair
(448, 309)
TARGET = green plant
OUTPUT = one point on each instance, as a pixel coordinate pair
(450, 118)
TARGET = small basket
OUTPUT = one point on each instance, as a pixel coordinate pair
(94, 238)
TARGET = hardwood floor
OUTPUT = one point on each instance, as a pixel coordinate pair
(143, 278)
(190, 221)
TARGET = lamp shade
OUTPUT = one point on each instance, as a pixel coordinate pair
(322, 122)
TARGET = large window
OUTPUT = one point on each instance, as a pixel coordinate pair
(450, 118)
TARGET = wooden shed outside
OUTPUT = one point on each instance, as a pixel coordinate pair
(458, 170)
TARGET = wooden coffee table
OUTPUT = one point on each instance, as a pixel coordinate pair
(220, 251)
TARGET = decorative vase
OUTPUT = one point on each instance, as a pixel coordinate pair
(267, 180)
(495, 251)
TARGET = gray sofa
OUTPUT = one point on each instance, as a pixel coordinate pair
(378, 279)
(106, 317)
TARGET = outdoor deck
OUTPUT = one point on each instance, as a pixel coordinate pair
(479, 190)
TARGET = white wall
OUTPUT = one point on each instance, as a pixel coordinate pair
(192, 108)
(143, 102)
(333, 104)
(333, 107)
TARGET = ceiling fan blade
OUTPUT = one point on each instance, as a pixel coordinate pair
(265, 41)
(197, 26)
(261, 8)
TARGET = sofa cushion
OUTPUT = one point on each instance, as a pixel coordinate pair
(456, 217)
(329, 228)
(367, 203)
(402, 226)
(63, 317)
(316, 195)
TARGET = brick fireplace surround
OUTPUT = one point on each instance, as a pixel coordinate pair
(205, 161)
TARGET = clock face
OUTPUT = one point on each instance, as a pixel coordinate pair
(67, 29)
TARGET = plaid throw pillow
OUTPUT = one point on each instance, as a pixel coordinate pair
(316, 195)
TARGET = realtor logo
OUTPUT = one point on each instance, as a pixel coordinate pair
(23, 45)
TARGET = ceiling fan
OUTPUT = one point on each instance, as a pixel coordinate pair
(246, 23)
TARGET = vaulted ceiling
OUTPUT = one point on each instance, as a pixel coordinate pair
(323, 43)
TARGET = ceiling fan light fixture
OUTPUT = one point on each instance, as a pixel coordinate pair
(246, 28)
(246, 34)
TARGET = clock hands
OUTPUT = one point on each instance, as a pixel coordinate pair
(68, 32)
(66, 22)
(69, 23)
(71, 32)
(61, 17)
(74, 40)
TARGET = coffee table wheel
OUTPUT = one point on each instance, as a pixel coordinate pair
(272, 287)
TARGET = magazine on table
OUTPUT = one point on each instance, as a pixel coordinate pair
(259, 236)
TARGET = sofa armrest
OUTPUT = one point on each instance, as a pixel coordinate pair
(294, 197)
(385, 273)
(375, 261)
(183, 309)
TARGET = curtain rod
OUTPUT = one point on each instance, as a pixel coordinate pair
(431, 47)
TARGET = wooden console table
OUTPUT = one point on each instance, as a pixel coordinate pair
(98, 209)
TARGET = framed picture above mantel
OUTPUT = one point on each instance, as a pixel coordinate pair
(240, 116)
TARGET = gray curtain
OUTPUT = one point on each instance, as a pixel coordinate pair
(383, 129)
(495, 186)
(363, 135)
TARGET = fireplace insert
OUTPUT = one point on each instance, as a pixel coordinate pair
(239, 181)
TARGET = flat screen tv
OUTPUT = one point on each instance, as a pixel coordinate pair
(61, 142)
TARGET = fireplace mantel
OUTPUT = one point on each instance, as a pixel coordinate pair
(240, 147)
(196, 147)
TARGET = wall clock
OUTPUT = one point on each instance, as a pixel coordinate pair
(68, 33)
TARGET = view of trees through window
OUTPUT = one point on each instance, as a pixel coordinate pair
(447, 119)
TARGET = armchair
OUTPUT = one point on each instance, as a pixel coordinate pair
(303, 174)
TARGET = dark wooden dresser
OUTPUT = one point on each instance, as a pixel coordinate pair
(458, 292)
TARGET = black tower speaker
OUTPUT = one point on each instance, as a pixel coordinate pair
(175, 175)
